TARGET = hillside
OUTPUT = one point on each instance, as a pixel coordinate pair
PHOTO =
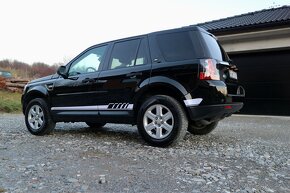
(25, 71)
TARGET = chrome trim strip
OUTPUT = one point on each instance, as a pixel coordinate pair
(75, 108)
(103, 107)
(79, 93)
(92, 108)
(224, 63)
(192, 102)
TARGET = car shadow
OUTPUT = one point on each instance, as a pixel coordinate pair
(111, 131)
(129, 133)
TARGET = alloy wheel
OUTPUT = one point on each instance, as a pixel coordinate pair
(35, 117)
(158, 121)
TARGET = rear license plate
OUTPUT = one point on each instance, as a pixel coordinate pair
(233, 74)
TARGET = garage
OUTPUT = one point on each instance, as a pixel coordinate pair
(259, 44)
(266, 78)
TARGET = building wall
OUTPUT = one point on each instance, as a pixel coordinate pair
(256, 41)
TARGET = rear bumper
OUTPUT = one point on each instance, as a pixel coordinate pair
(213, 112)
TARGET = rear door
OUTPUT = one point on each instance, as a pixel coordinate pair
(128, 66)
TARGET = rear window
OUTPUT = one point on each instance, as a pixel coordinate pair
(215, 50)
(176, 46)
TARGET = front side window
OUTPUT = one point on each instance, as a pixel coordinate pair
(88, 62)
(124, 54)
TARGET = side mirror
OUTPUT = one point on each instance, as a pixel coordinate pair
(62, 71)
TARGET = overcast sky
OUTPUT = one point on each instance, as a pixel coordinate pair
(53, 31)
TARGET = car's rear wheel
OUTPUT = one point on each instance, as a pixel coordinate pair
(162, 121)
(201, 129)
(37, 117)
(95, 125)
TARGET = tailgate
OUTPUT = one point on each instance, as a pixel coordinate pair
(229, 74)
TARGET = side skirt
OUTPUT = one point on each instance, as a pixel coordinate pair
(106, 116)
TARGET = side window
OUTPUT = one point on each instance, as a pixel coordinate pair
(88, 62)
(141, 56)
(213, 47)
(124, 54)
(176, 46)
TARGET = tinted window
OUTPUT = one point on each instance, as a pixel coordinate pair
(176, 46)
(88, 62)
(213, 47)
(124, 54)
(141, 57)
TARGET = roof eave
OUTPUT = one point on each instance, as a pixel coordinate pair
(254, 27)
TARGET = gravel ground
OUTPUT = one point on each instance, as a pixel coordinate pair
(244, 154)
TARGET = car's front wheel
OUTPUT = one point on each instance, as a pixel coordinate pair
(200, 129)
(162, 121)
(37, 117)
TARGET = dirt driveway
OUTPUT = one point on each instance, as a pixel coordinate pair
(244, 154)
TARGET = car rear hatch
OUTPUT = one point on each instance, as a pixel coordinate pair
(218, 66)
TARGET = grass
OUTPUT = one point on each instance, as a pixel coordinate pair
(10, 102)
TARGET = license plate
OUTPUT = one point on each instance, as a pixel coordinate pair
(233, 74)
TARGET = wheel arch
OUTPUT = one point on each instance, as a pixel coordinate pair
(35, 92)
(160, 86)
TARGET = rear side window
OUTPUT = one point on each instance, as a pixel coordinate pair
(141, 56)
(214, 48)
(129, 53)
(176, 46)
(124, 54)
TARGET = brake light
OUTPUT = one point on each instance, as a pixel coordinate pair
(228, 107)
(209, 71)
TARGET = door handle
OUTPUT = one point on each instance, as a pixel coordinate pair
(88, 80)
(101, 81)
(134, 74)
(73, 78)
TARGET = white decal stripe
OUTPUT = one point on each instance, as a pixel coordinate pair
(130, 107)
(192, 102)
(90, 108)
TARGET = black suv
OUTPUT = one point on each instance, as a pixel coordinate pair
(166, 82)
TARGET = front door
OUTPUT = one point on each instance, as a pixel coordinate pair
(75, 92)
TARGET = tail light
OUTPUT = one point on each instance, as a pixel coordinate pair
(209, 71)
(228, 107)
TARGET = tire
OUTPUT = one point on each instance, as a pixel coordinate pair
(202, 129)
(165, 120)
(37, 117)
(95, 125)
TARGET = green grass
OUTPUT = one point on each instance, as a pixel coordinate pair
(10, 102)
